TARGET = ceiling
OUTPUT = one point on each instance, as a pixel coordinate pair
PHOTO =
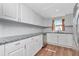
(48, 10)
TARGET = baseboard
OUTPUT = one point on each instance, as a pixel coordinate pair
(62, 45)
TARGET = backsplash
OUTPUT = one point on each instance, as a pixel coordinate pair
(12, 29)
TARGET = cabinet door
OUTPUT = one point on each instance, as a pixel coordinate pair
(62, 40)
(1, 50)
(10, 47)
(10, 10)
(19, 52)
(33, 45)
(69, 40)
(0, 9)
(39, 42)
(52, 38)
(29, 47)
(65, 40)
(26, 14)
(37, 45)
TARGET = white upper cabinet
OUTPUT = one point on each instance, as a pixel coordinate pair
(25, 14)
(29, 16)
(1, 50)
(9, 11)
(21, 13)
(0, 9)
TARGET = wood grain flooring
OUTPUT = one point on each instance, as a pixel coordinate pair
(52, 50)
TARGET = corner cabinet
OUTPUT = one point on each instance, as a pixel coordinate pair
(1, 50)
(64, 40)
(9, 11)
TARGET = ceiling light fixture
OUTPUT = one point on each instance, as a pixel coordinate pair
(57, 10)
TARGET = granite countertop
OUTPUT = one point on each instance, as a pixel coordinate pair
(59, 32)
(5, 40)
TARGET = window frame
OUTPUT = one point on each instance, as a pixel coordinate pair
(62, 25)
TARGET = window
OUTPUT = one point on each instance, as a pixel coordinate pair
(58, 25)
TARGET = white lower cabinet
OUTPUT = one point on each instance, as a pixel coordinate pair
(19, 52)
(38, 43)
(64, 40)
(1, 50)
(15, 48)
(29, 49)
(52, 38)
(69, 40)
(25, 47)
(33, 45)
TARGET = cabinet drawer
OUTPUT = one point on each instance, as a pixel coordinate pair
(19, 52)
(14, 46)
